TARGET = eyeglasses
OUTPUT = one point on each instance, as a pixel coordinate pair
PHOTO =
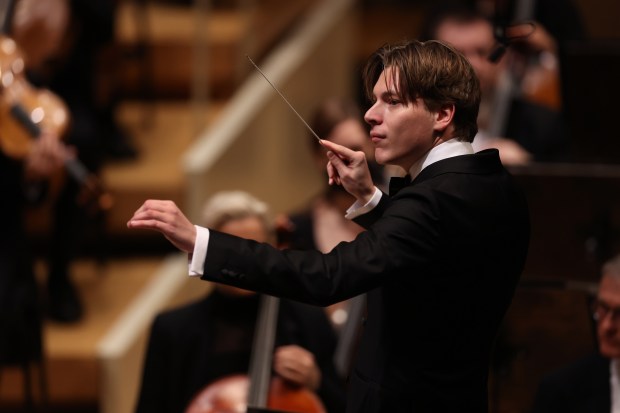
(601, 309)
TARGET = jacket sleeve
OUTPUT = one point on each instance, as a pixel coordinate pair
(403, 235)
(366, 220)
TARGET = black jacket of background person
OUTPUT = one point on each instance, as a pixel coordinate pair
(20, 312)
(540, 130)
(184, 354)
(580, 387)
(440, 260)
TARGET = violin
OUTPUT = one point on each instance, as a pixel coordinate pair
(258, 391)
(26, 111)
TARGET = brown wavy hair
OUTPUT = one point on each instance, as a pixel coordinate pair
(434, 72)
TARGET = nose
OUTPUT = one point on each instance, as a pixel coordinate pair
(607, 323)
(372, 115)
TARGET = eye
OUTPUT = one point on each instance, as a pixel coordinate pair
(392, 100)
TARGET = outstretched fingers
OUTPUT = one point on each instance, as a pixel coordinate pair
(152, 214)
(165, 217)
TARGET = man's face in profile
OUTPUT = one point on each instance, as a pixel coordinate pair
(607, 313)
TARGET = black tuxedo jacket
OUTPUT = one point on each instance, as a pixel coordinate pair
(440, 262)
(20, 311)
(581, 387)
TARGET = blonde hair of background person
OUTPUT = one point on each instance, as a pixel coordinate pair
(241, 213)
(230, 205)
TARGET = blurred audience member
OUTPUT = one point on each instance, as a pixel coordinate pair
(24, 182)
(193, 346)
(63, 41)
(592, 384)
(522, 128)
(322, 224)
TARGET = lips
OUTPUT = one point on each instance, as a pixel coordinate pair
(375, 138)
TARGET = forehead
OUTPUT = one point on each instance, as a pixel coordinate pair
(387, 81)
(466, 35)
(349, 133)
(250, 227)
(609, 289)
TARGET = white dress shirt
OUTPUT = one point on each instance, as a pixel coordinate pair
(453, 147)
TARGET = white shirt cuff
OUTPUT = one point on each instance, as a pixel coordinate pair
(358, 209)
(199, 256)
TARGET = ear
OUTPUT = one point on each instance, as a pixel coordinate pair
(443, 118)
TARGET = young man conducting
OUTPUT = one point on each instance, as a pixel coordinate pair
(439, 259)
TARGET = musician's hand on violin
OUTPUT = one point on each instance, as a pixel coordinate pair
(40, 28)
(167, 218)
(296, 364)
(349, 169)
(46, 156)
(532, 38)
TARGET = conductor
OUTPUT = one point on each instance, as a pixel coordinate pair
(439, 259)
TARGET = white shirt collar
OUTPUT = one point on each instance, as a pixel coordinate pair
(448, 149)
(615, 386)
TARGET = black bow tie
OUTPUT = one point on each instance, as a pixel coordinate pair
(397, 183)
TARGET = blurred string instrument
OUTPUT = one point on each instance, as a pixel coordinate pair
(531, 74)
(257, 392)
(26, 111)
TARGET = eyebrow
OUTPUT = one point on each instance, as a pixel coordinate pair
(390, 93)
(607, 303)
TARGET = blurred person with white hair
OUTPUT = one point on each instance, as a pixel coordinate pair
(195, 345)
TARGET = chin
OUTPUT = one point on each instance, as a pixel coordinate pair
(383, 158)
(380, 158)
(610, 351)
